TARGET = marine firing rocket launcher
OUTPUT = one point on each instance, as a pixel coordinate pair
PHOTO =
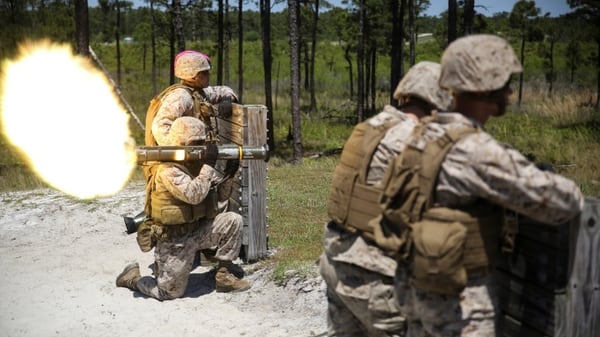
(210, 152)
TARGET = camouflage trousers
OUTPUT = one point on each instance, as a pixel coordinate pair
(469, 314)
(360, 300)
(174, 257)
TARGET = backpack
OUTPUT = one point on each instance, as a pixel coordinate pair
(429, 241)
(351, 202)
(153, 109)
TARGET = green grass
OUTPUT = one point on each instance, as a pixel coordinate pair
(564, 132)
(297, 211)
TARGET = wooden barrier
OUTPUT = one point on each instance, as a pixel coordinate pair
(550, 284)
(248, 126)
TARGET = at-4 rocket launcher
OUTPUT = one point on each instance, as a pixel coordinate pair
(208, 152)
(151, 154)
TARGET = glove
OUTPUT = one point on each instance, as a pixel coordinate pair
(231, 168)
(225, 108)
(210, 156)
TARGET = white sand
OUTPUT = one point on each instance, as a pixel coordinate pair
(59, 258)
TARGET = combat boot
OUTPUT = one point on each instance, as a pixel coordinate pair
(227, 282)
(129, 277)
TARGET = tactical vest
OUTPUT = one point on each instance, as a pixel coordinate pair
(168, 210)
(352, 203)
(441, 245)
(202, 109)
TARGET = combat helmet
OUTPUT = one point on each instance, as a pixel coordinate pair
(188, 63)
(478, 63)
(422, 81)
(186, 130)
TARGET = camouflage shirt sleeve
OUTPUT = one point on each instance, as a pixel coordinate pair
(215, 94)
(478, 166)
(392, 143)
(175, 104)
(184, 187)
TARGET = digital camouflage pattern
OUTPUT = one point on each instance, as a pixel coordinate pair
(358, 274)
(422, 82)
(189, 63)
(478, 63)
(180, 102)
(391, 144)
(174, 258)
(480, 167)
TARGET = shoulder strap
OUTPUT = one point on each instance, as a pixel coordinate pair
(429, 163)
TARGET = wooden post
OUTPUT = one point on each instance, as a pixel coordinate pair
(248, 126)
(582, 308)
(550, 284)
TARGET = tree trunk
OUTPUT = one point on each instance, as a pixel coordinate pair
(178, 17)
(551, 75)
(412, 31)
(118, 41)
(240, 51)
(598, 74)
(153, 47)
(220, 44)
(293, 9)
(226, 43)
(469, 14)
(521, 73)
(82, 27)
(350, 73)
(313, 99)
(360, 66)
(397, 65)
(373, 80)
(452, 20)
(265, 16)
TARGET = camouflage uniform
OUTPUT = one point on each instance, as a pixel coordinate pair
(174, 258)
(175, 253)
(359, 275)
(479, 167)
(180, 102)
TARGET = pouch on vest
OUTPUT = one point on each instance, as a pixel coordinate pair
(432, 247)
(437, 262)
(145, 239)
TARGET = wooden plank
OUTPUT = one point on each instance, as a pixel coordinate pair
(247, 126)
(582, 308)
(256, 121)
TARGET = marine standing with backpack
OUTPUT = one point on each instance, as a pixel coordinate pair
(445, 194)
(359, 275)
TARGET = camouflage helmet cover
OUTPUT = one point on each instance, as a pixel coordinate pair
(189, 63)
(478, 63)
(185, 130)
(422, 81)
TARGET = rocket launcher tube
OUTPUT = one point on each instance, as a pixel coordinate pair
(146, 154)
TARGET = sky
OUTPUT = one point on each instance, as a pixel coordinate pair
(486, 7)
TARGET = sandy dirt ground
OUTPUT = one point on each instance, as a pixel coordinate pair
(59, 258)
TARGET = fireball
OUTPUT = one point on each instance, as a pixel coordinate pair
(63, 116)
